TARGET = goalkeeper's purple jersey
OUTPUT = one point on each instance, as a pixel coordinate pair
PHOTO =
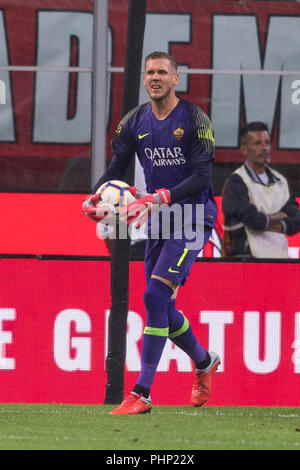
(175, 153)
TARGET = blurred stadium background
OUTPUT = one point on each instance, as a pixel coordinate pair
(61, 85)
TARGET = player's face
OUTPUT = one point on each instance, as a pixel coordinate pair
(160, 78)
(257, 148)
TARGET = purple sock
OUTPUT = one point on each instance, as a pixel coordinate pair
(180, 332)
(156, 298)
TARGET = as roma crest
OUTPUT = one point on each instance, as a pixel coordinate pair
(178, 133)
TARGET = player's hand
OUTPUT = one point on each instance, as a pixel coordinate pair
(134, 191)
(278, 216)
(96, 213)
(139, 210)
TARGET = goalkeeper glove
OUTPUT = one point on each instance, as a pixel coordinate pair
(96, 213)
(140, 210)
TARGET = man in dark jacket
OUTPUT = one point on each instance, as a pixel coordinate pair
(258, 206)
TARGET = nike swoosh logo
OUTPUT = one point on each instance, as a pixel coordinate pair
(173, 270)
(142, 136)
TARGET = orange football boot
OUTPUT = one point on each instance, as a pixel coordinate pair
(201, 390)
(133, 404)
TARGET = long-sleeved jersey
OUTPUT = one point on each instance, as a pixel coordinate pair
(239, 211)
(175, 153)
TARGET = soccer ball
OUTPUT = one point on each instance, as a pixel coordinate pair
(115, 194)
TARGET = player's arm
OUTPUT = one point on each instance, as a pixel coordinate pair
(291, 223)
(236, 204)
(123, 149)
(202, 147)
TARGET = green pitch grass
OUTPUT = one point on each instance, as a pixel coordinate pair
(70, 427)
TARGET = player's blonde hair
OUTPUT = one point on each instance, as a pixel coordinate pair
(162, 55)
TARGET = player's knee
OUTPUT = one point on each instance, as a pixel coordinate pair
(148, 296)
(171, 284)
(151, 297)
(156, 299)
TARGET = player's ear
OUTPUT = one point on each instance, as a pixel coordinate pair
(176, 79)
(243, 149)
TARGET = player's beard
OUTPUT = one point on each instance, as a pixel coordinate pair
(161, 97)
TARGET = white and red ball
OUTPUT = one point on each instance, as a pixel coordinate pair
(114, 194)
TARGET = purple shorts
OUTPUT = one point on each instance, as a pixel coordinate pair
(172, 259)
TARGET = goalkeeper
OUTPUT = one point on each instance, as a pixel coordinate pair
(174, 142)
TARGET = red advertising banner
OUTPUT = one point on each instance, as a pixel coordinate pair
(54, 224)
(53, 332)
